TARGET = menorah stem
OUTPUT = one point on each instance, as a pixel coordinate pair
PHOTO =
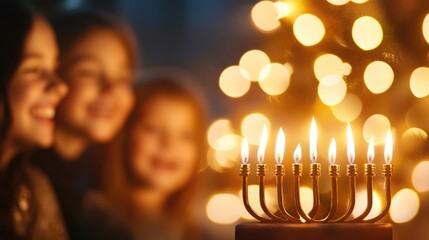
(352, 173)
(387, 172)
(369, 172)
(279, 180)
(244, 172)
(299, 209)
(315, 173)
(334, 173)
(261, 172)
(297, 173)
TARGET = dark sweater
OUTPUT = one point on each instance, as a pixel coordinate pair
(86, 216)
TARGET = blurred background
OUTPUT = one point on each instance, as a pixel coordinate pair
(281, 62)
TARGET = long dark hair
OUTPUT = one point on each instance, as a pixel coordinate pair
(16, 20)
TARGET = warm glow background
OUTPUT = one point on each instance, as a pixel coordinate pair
(278, 63)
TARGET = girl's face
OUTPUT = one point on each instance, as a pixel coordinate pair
(97, 71)
(162, 145)
(34, 90)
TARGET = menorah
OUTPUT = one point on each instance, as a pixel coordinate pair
(336, 225)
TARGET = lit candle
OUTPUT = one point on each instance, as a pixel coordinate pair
(297, 154)
(313, 141)
(371, 155)
(332, 152)
(296, 166)
(280, 146)
(245, 152)
(388, 148)
(262, 145)
(350, 145)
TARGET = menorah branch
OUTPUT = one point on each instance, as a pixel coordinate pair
(244, 172)
(261, 172)
(280, 172)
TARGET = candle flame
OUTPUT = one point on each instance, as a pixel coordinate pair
(280, 146)
(388, 148)
(297, 154)
(313, 141)
(262, 145)
(350, 145)
(332, 151)
(371, 151)
(244, 152)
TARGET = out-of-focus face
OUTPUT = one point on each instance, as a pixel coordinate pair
(162, 144)
(98, 74)
(34, 90)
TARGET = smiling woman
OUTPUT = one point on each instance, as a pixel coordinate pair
(97, 63)
(29, 94)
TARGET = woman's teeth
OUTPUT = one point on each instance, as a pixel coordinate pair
(44, 112)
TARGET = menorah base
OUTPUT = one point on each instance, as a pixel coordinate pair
(316, 231)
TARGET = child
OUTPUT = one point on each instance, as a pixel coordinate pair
(151, 169)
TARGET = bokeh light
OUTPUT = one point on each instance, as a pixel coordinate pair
(253, 191)
(328, 64)
(228, 142)
(265, 16)
(252, 126)
(378, 77)
(230, 153)
(405, 206)
(332, 89)
(420, 177)
(289, 67)
(419, 82)
(425, 28)
(308, 29)
(359, 1)
(224, 208)
(253, 62)
(274, 79)
(283, 9)
(234, 81)
(418, 114)
(306, 198)
(376, 126)
(216, 130)
(367, 33)
(338, 2)
(414, 142)
(347, 69)
(348, 109)
(361, 203)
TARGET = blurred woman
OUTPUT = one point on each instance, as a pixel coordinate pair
(97, 63)
(151, 168)
(29, 94)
